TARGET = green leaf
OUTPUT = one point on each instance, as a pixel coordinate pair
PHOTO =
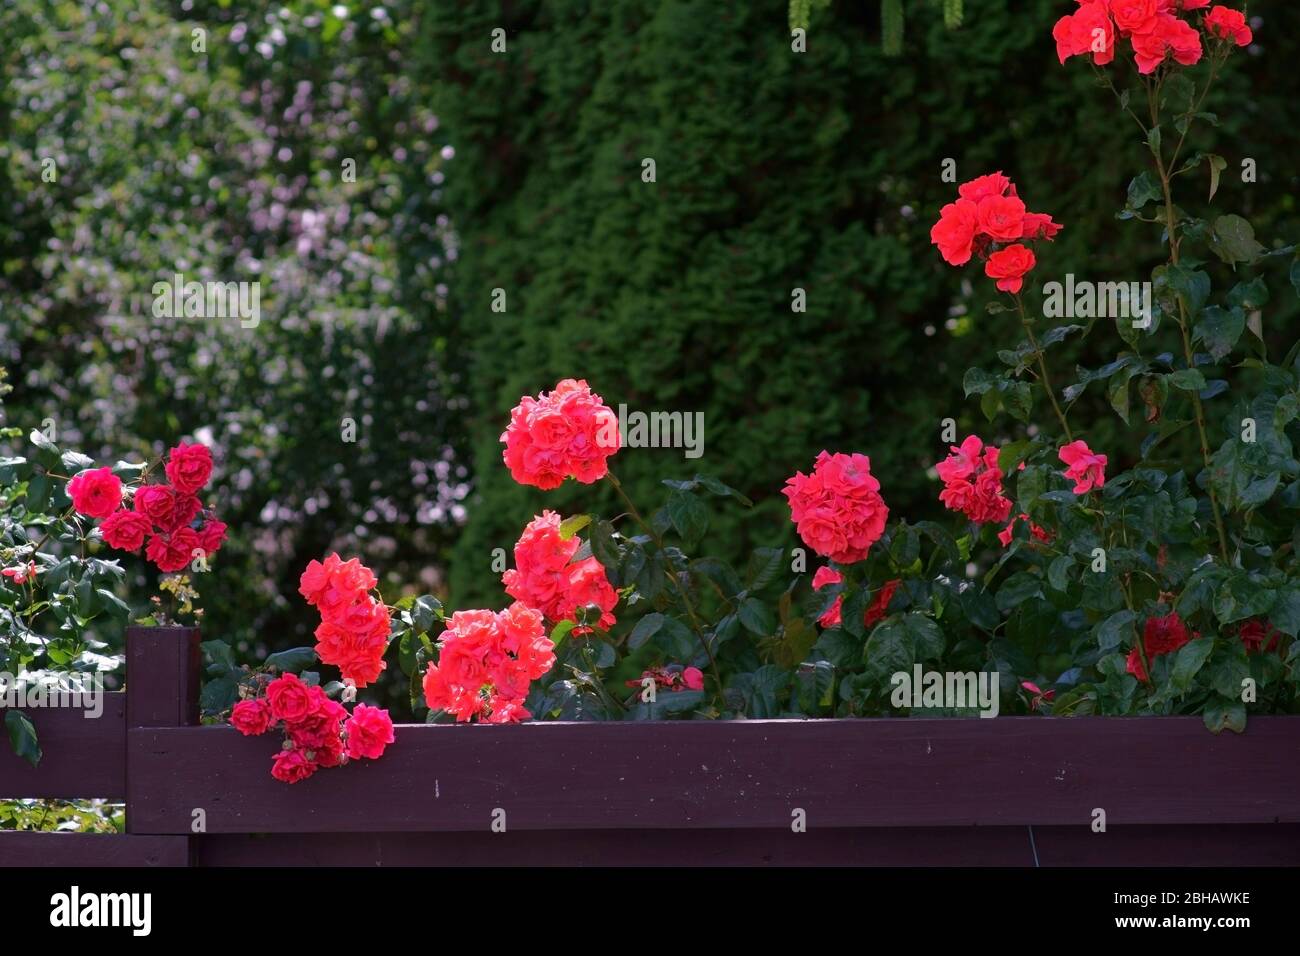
(906, 547)
(1113, 631)
(22, 736)
(293, 660)
(218, 657)
(1058, 573)
(1220, 329)
(1234, 240)
(1188, 379)
(218, 695)
(603, 546)
(1020, 587)
(1188, 660)
(645, 629)
(688, 514)
(763, 567)
(1241, 597)
(1142, 190)
(1217, 165)
(721, 490)
(756, 617)
(572, 525)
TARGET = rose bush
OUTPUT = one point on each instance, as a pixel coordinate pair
(1158, 577)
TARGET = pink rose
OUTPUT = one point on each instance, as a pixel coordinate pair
(125, 530)
(954, 233)
(172, 552)
(1086, 469)
(251, 717)
(1009, 266)
(95, 492)
(290, 699)
(368, 732)
(189, 467)
(1228, 24)
(291, 766)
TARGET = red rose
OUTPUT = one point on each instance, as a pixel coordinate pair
(96, 492)
(251, 717)
(125, 530)
(290, 698)
(955, 231)
(1002, 217)
(1258, 635)
(1009, 266)
(172, 552)
(1160, 635)
(292, 765)
(1229, 24)
(369, 731)
(189, 467)
(212, 535)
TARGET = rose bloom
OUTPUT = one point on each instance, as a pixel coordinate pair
(1228, 24)
(1086, 469)
(1160, 635)
(184, 509)
(991, 184)
(1087, 30)
(212, 535)
(251, 717)
(1134, 16)
(973, 482)
(172, 552)
(189, 467)
(1258, 635)
(566, 433)
(95, 492)
(838, 510)
(368, 732)
(125, 530)
(1035, 531)
(22, 573)
(1009, 266)
(290, 699)
(1002, 217)
(693, 678)
(291, 766)
(1039, 225)
(955, 231)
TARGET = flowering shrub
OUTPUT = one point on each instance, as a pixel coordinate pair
(57, 587)
(1153, 578)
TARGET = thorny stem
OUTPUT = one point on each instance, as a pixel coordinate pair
(1171, 229)
(1042, 368)
(671, 575)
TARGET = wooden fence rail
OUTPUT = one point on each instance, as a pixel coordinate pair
(1008, 791)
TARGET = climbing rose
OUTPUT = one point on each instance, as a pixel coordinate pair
(368, 732)
(289, 698)
(565, 433)
(485, 663)
(1009, 266)
(291, 766)
(1229, 24)
(95, 492)
(972, 482)
(172, 552)
(355, 627)
(1160, 635)
(251, 717)
(1087, 30)
(125, 530)
(544, 579)
(189, 467)
(955, 231)
(212, 535)
(1086, 469)
(838, 510)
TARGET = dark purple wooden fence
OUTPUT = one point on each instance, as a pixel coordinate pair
(1015, 791)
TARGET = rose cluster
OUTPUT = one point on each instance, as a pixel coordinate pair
(1153, 28)
(875, 611)
(318, 732)
(838, 510)
(565, 433)
(354, 629)
(990, 221)
(486, 661)
(972, 482)
(673, 678)
(547, 578)
(168, 516)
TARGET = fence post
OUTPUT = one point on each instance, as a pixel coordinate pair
(162, 690)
